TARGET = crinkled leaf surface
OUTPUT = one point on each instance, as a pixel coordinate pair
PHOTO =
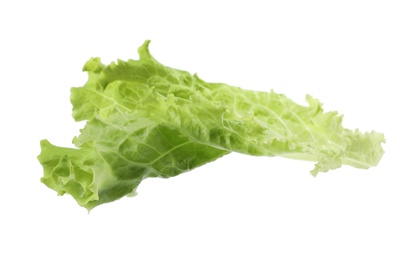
(148, 120)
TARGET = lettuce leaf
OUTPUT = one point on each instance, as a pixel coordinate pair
(148, 120)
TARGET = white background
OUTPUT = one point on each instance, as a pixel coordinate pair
(355, 56)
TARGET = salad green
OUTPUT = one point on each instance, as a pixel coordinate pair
(148, 120)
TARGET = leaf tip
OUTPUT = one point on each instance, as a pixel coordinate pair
(143, 50)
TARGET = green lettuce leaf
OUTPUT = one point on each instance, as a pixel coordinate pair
(148, 120)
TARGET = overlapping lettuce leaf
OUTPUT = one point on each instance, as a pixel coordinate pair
(148, 120)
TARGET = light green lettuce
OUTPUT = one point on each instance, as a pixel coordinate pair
(148, 120)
